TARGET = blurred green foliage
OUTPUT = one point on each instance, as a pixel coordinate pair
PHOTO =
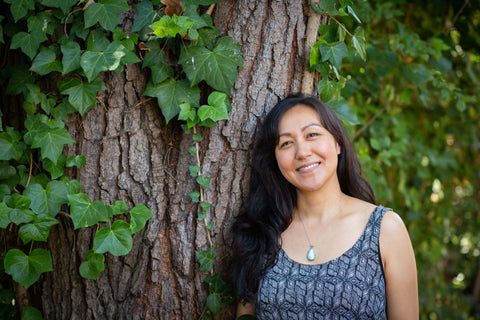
(416, 97)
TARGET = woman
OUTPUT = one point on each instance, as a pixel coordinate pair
(310, 243)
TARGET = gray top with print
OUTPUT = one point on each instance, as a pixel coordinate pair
(351, 286)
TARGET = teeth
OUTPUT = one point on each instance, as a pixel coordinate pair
(310, 166)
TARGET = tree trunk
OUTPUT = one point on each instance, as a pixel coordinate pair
(133, 155)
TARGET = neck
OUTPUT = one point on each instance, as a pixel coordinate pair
(318, 204)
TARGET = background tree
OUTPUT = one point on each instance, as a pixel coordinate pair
(402, 76)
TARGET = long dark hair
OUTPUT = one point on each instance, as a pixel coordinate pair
(267, 211)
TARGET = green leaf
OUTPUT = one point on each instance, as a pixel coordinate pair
(27, 269)
(64, 5)
(146, 15)
(106, 12)
(326, 88)
(217, 108)
(94, 62)
(215, 303)
(334, 53)
(55, 169)
(194, 170)
(28, 42)
(218, 67)
(51, 142)
(42, 22)
(197, 137)
(359, 43)
(187, 112)
(119, 207)
(171, 26)
(156, 60)
(81, 95)
(71, 56)
(19, 8)
(344, 112)
(45, 62)
(19, 216)
(95, 264)
(4, 215)
(18, 201)
(31, 313)
(139, 216)
(84, 213)
(37, 230)
(171, 94)
(117, 240)
(201, 216)
(210, 226)
(205, 205)
(204, 182)
(192, 150)
(76, 161)
(205, 258)
(97, 41)
(49, 200)
(74, 186)
(195, 195)
(352, 12)
(325, 6)
(10, 145)
(20, 76)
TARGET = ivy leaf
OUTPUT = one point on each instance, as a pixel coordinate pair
(76, 161)
(119, 207)
(28, 42)
(325, 6)
(344, 112)
(51, 142)
(37, 230)
(46, 62)
(94, 62)
(84, 213)
(334, 53)
(205, 206)
(117, 240)
(106, 12)
(64, 5)
(4, 215)
(42, 22)
(27, 269)
(55, 169)
(10, 145)
(201, 216)
(31, 313)
(49, 200)
(74, 186)
(215, 303)
(95, 264)
(97, 41)
(217, 108)
(359, 43)
(206, 258)
(217, 67)
(195, 196)
(204, 182)
(139, 216)
(352, 12)
(156, 60)
(171, 26)
(19, 8)
(194, 170)
(71, 56)
(326, 88)
(82, 96)
(187, 112)
(146, 15)
(19, 216)
(171, 93)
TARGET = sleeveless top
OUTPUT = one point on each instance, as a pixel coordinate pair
(351, 286)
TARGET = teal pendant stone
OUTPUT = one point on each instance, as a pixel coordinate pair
(311, 254)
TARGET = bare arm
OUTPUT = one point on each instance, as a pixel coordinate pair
(400, 269)
(247, 308)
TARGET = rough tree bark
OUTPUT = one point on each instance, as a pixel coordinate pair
(133, 155)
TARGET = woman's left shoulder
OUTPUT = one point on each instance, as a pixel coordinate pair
(393, 233)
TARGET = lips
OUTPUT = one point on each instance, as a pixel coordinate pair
(308, 167)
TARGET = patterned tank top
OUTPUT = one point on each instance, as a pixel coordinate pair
(351, 286)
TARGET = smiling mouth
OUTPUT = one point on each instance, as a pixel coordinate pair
(310, 166)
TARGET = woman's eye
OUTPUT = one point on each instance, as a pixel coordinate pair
(312, 134)
(284, 144)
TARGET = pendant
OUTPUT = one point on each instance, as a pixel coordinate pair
(311, 254)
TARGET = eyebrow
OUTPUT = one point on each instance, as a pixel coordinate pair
(303, 129)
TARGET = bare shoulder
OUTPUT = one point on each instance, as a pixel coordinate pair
(392, 226)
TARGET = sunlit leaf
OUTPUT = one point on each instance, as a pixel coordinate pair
(117, 240)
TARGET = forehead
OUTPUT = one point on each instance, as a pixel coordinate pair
(298, 117)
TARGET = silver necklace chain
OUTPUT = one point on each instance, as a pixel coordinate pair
(311, 252)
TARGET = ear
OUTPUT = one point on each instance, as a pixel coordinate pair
(338, 148)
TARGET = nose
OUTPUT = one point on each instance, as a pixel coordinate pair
(303, 150)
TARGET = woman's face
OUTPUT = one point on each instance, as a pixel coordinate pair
(307, 154)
